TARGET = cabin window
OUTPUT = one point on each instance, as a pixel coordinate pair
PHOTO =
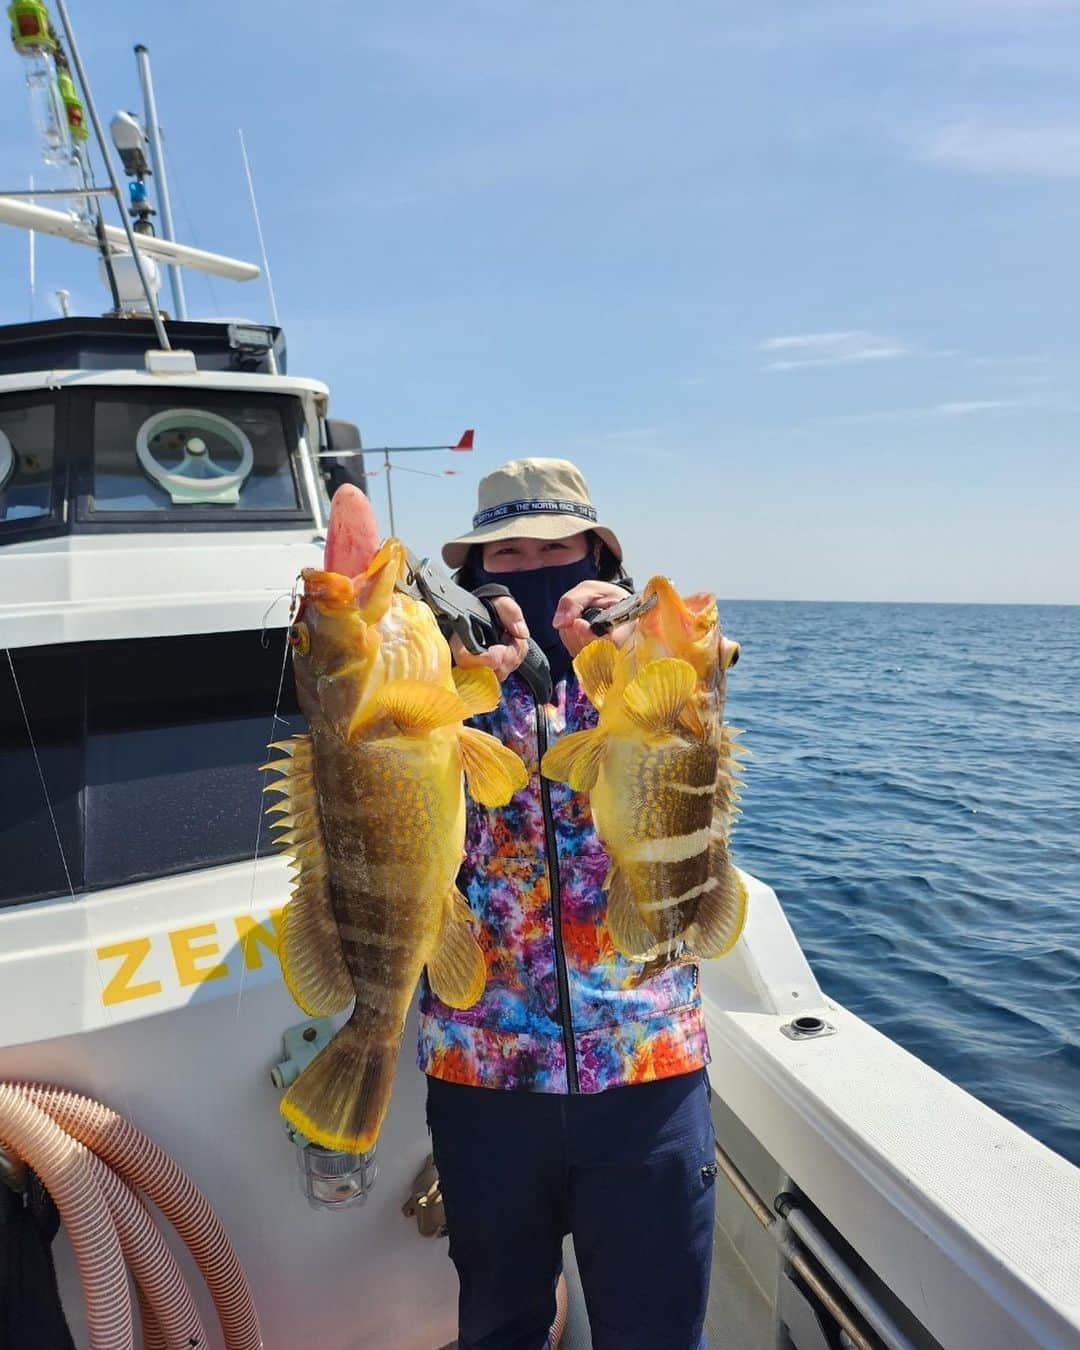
(149, 751)
(190, 453)
(26, 459)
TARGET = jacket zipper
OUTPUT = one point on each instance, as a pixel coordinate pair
(565, 1019)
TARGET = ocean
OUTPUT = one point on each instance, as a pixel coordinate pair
(914, 800)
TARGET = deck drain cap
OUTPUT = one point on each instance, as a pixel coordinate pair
(807, 1027)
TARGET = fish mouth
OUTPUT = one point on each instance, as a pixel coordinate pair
(677, 619)
(329, 591)
(368, 594)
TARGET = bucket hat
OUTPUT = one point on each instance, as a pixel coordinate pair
(531, 499)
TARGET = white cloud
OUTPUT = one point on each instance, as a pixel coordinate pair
(828, 349)
(1005, 151)
(966, 408)
(957, 408)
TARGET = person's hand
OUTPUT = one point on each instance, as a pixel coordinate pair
(572, 628)
(504, 657)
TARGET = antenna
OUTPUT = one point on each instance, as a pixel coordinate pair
(465, 443)
(32, 259)
(258, 231)
(15, 210)
(157, 160)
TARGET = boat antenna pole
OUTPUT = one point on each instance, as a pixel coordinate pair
(258, 231)
(157, 161)
(32, 259)
(464, 444)
(103, 146)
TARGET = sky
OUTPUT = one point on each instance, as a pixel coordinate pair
(793, 283)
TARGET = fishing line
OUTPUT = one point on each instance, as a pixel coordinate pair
(88, 910)
(41, 775)
(274, 720)
(264, 637)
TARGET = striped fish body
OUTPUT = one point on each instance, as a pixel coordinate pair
(653, 808)
(372, 810)
(660, 770)
(393, 823)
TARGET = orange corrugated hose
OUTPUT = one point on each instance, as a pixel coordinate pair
(562, 1309)
(63, 1167)
(170, 1320)
(140, 1164)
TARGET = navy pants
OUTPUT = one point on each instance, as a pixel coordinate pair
(628, 1172)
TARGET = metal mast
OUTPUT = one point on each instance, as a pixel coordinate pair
(103, 146)
(157, 162)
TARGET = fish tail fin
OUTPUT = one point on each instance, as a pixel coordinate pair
(721, 914)
(576, 759)
(340, 1099)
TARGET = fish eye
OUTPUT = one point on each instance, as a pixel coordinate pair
(300, 639)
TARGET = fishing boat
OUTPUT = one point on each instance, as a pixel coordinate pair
(162, 482)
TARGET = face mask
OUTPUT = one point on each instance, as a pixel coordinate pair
(538, 592)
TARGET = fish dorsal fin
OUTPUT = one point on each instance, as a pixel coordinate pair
(312, 961)
(658, 696)
(595, 667)
(478, 689)
(576, 759)
(417, 707)
(456, 969)
(492, 772)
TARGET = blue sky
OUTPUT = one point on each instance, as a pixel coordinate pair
(795, 284)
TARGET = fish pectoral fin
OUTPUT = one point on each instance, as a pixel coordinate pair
(658, 695)
(595, 667)
(492, 772)
(416, 707)
(576, 759)
(477, 688)
(630, 934)
(721, 912)
(456, 970)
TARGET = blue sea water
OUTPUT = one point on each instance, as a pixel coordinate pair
(914, 800)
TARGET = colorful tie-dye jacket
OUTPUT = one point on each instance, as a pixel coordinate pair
(602, 1031)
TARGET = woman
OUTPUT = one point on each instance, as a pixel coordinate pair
(572, 1098)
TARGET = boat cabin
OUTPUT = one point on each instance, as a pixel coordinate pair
(151, 528)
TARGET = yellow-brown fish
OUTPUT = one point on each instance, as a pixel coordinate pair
(662, 779)
(373, 813)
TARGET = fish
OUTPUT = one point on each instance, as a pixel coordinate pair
(661, 770)
(372, 811)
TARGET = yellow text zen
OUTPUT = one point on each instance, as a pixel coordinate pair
(195, 954)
